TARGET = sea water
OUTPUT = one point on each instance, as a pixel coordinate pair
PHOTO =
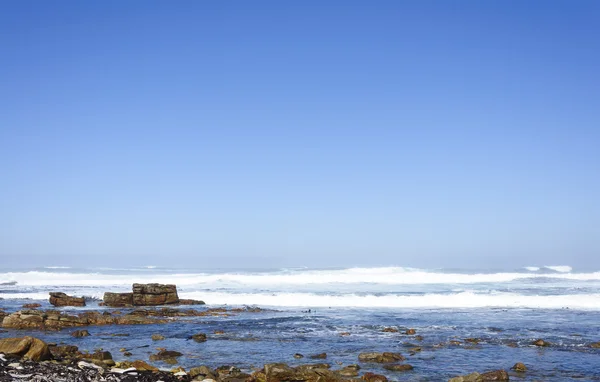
(310, 309)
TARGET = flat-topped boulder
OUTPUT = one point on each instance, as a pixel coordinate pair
(25, 347)
(118, 299)
(62, 299)
(154, 294)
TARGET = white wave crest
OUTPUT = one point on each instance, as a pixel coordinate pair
(456, 300)
(381, 276)
(559, 268)
(532, 269)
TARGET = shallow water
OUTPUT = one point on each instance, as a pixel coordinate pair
(253, 339)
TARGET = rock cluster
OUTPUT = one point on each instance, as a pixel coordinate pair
(496, 375)
(26, 347)
(62, 299)
(147, 295)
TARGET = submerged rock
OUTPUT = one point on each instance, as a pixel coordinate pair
(541, 343)
(372, 377)
(385, 357)
(157, 337)
(80, 333)
(398, 367)
(520, 367)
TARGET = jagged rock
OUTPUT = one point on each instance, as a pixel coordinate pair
(385, 357)
(118, 299)
(26, 347)
(62, 299)
(64, 351)
(203, 371)
(155, 294)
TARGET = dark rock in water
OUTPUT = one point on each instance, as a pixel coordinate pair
(473, 377)
(348, 371)
(165, 355)
(298, 356)
(398, 367)
(80, 333)
(155, 294)
(520, 367)
(496, 375)
(541, 343)
(385, 357)
(190, 302)
(419, 338)
(473, 340)
(410, 332)
(26, 347)
(200, 337)
(118, 299)
(64, 351)
(61, 299)
(318, 356)
(372, 377)
(595, 345)
(390, 330)
(127, 354)
(31, 306)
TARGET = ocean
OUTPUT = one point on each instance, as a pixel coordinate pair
(344, 311)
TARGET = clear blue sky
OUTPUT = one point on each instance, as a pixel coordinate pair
(306, 133)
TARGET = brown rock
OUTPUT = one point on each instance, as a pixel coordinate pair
(200, 337)
(398, 367)
(80, 333)
(385, 357)
(190, 302)
(61, 299)
(520, 367)
(155, 294)
(318, 356)
(410, 332)
(157, 337)
(64, 351)
(541, 343)
(496, 375)
(26, 347)
(165, 355)
(372, 377)
(390, 330)
(473, 340)
(473, 377)
(595, 345)
(118, 299)
(31, 306)
(203, 371)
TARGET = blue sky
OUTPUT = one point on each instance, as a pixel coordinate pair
(413, 133)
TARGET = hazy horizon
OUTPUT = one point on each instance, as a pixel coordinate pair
(417, 133)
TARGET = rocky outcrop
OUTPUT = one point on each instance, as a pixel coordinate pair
(62, 299)
(26, 347)
(496, 375)
(154, 294)
(118, 299)
(519, 367)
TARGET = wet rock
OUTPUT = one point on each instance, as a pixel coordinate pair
(496, 375)
(31, 306)
(157, 337)
(138, 365)
(64, 351)
(190, 302)
(298, 356)
(199, 337)
(80, 333)
(165, 355)
(344, 334)
(318, 356)
(541, 343)
(218, 332)
(520, 367)
(390, 330)
(118, 299)
(473, 377)
(348, 371)
(419, 338)
(398, 367)
(202, 371)
(473, 340)
(26, 347)
(410, 332)
(127, 354)
(372, 377)
(62, 299)
(595, 345)
(385, 357)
